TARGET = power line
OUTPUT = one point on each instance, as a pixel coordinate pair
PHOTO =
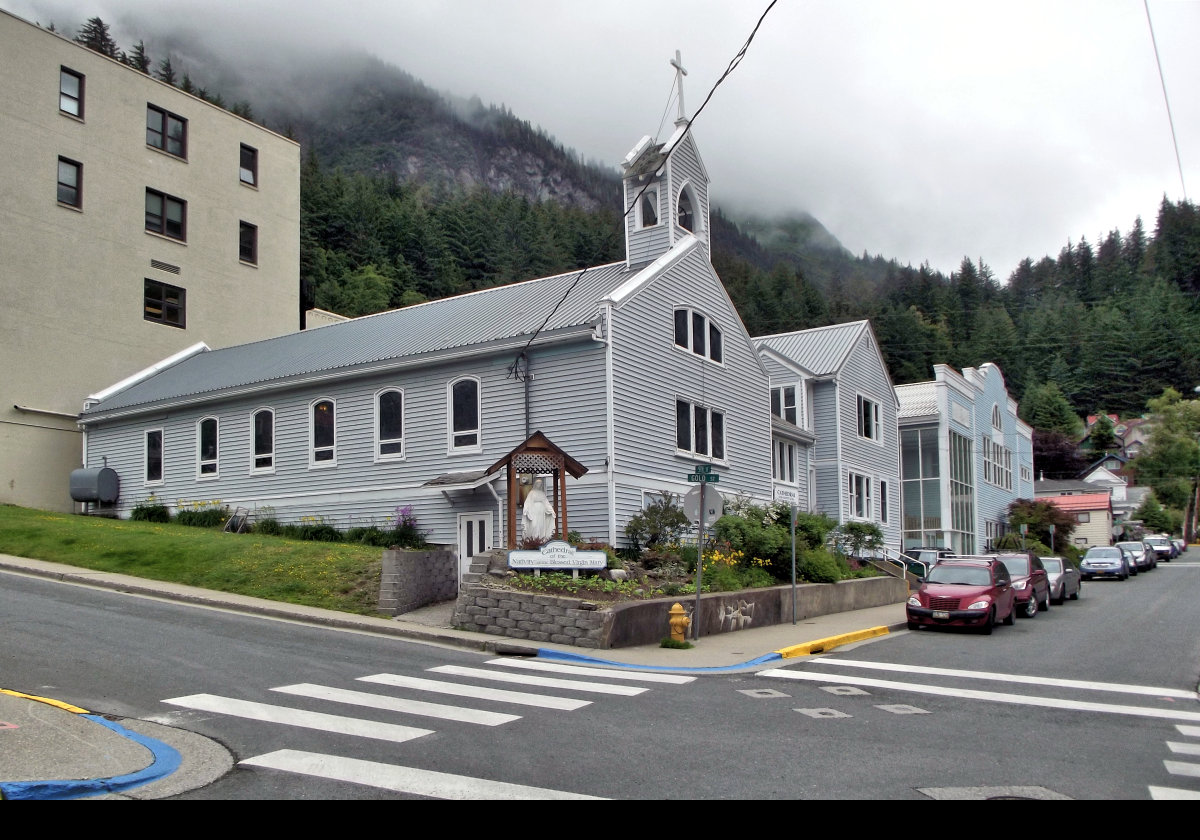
(1163, 82)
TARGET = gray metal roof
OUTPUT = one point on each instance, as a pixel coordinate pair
(472, 319)
(918, 399)
(822, 350)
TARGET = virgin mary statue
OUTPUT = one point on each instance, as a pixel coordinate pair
(537, 514)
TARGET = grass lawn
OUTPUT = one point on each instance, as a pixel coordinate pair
(335, 576)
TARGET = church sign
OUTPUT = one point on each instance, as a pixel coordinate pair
(557, 554)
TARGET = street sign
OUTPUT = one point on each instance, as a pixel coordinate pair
(704, 468)
(713, 503)
(704, 478)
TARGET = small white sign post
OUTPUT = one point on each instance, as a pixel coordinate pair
(696, 503)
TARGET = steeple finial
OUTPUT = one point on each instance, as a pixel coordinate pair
(677, 63)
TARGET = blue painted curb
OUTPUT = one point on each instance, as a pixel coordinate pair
(166, 761)
(564, 656)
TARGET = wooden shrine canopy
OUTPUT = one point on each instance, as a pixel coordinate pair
(538, 456)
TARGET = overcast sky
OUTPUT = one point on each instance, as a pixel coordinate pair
(919, 130)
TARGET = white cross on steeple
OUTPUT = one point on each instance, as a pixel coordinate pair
(677, 63)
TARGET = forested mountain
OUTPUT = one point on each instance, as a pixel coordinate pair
(408, 194)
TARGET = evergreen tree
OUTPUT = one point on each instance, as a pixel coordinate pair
(137, 59)
(166, 73)
(94, 35)
(1044, 407)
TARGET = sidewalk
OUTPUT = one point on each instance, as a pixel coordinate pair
(52, 750)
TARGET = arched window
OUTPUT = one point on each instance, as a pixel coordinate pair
(685, 216)
(997, 423)
(323, 434)
(648, 207)
(463, 397)
(263, 424)
(697, 333)
(389, 424)
(206, 448)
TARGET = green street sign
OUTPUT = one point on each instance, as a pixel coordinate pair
(704, 478)
(704, 468)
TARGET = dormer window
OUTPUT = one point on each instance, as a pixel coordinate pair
(695, 332)
(684, 215)
(648, 207)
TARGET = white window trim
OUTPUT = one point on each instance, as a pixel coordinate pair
(451, 449)
(200, 462)
(656, 190)
(402, 440)
(853, 479)
(709, 411)
(709, 324)
(876, 419)
(162, 440)
(688, 188)
(313, 463)
(791, 454)
(254, 456)
(798, 392)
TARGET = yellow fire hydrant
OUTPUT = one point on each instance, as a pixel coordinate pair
(679, 622)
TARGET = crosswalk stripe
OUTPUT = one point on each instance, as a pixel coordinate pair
(480, 692)
(299, 717)
(1183, 749)
(543, 682)
(1116, 688)
(1166, 793)
(402, 779)
(607, 673)
(1189, 731)
(995, 696)
(1182, 768)
(398, 704)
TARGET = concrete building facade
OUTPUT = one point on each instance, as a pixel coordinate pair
(136, 221)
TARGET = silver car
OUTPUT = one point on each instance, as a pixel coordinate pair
(1144, 557)
(1105, 561)
(1064, 578)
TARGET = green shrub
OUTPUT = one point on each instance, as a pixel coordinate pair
(817, 565)
(205, 517)
(269, 526)
(662, 521)
(150, 511)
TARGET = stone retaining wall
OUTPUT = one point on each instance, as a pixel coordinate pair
(574, 621)
(411, 579)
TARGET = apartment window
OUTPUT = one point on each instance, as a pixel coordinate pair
(997, 423)
(464, 415)
(883, 502)
(997, 464)
(248, 242)
(389, 424)
(166, 214)
(154, 456)
(70, 182)
(165, 304)
(166, 131)
(70, 92)
(264, 441)
(206, 448)
(248, 165)
(783, 404)
(860, 496)
(868, 419)
(1083, 517)
(648, 207)
(699, 430)
(695, 332)
(785, 462)
(323, 434)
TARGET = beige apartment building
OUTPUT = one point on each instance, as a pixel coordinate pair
(136, 221)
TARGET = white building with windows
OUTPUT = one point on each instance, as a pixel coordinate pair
(641, 371)
(136, 220)
(965, 457)
(844, 437)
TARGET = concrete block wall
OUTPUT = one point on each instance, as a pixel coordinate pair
(411, 579)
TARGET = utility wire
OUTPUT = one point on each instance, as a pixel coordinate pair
(514, 369)
(1162, 81)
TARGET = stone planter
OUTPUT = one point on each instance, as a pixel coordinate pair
(575, 621)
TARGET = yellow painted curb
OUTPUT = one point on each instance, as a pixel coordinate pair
(822, 645)
(60, 704)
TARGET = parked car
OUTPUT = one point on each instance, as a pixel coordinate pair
(1144, 555)
(920, 559)
(962, 592)
(1180, 544)
(1104, 561)
(1029, 580)
(1161, 545)
(1065, 581)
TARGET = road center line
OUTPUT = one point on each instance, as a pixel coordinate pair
(1118, 688)
(994, 696)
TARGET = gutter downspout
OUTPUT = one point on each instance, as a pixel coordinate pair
(841, 488)
(491, 486)
(610, 464)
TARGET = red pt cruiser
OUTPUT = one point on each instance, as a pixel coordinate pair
(964, 593)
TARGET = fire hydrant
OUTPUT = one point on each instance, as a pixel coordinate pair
(679, 622)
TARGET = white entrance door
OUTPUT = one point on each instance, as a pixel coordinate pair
(474, 537)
